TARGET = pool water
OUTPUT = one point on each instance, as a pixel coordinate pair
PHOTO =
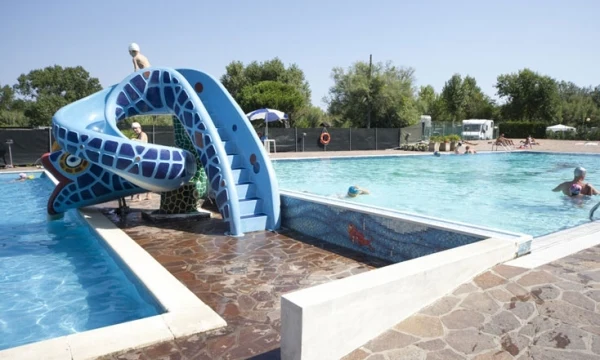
(506, 191)
(56, 278)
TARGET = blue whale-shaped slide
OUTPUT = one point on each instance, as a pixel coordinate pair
(94, 162)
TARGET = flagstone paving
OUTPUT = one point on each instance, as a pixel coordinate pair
(242, 279)
(551, 312)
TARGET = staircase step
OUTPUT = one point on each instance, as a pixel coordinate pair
(241, 175)
(223, 133)
(246, 191)
(230, 147)
(235, 161)
(250, 207)
(254, 223)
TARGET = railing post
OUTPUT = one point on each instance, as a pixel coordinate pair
(296, 137)
(376, 148)
(350, 136)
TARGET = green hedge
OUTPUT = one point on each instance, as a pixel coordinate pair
(521, 129)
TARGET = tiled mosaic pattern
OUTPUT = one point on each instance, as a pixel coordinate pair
(185, 199)
(241, 278)
(548, 313)
(390, 239)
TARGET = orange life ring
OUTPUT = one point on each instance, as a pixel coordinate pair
(325, 138)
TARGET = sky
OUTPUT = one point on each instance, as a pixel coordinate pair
(437, 38)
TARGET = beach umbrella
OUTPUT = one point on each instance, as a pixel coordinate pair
(267, 115)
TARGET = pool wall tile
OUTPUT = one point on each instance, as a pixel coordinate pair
(392, 239)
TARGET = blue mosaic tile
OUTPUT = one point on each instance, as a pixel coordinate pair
(133, 95)
(139, 83)
(72, 137)
(177, 156)
(84, 137)
(84, 180)
(96, 143)
(189, 105)
(153, 96)
(74, 198)
(386, 238)
(210, 151)
(166, 77)
(162, 171)
(222, 197)
(169, 96)
(96, 170)
(99, 190)
(187, 117)
(126, 150)
(148, 168)
(175, 169)
(61, 133)
(182, 98)
(111, 146)
(86, 195)
(142, 106)
(122, 99)
(165, 154)
(151, 154)
(212, 171)
(117, 183)
(107, 160)
(132, 112)
(135, 169)
(154, 79)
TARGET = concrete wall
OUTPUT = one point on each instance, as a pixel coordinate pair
(331, 320)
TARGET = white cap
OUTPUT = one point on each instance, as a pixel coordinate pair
(136, 125)
(134, 47)
(579, 171)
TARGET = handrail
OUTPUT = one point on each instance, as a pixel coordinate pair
(593, 210)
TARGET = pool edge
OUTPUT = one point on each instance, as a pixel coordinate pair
(185, 314)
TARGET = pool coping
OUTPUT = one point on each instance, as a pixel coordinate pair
(185, 314)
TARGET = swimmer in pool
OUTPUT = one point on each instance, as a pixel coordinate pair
(354, 191)
(577, 186)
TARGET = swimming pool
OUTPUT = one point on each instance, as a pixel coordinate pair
(57, 278)
(507, 191)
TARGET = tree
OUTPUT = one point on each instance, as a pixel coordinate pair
(47, 90)
(387, 95)
(426, 100)
(239, 77)
(529, 96)
(454, 97)
(311, 117)
(477, 105)
(577, 104)
(272, 94)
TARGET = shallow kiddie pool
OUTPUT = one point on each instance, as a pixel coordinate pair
(57, 278)
(508, 191)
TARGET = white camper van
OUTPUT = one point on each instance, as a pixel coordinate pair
(477, 129)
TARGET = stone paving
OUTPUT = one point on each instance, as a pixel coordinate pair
(242, 279)
(551, 312)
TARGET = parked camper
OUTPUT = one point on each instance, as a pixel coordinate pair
(476, 129)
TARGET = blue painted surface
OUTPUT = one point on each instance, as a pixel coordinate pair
(387, 238)
(97, 163)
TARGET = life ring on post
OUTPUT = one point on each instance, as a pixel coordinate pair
(325, 138)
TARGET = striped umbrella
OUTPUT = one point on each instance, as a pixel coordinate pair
(268, 115)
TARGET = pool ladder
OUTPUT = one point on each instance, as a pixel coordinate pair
(593, 210)
(504, 147)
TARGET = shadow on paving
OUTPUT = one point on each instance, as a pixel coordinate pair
(241, 278)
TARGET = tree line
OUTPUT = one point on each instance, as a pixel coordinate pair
(363, 95)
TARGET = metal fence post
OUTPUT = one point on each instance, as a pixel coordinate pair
(376, 148)
(296, 137)
(350, 136)
(50, 139)
(153, 133)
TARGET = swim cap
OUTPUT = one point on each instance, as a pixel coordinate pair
(437, 153)
(134, 47)
(579, 171)
(353, 190)
(575, 189)
(136, 125)
(22, 176)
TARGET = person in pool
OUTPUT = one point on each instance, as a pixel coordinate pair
(354, 191)
(23, 177)
(577, 186)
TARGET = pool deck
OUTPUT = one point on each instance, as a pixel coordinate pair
(548, 312)
(242, 279)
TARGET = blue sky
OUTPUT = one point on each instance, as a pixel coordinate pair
(438, 38)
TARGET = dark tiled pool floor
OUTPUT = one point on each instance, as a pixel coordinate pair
(242, 279)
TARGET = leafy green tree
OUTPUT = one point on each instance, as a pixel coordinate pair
(388, 96)
(273, 94)
(48, 89)
(426, 99)
(454, 96)
(311, 117)
(577, 104)
(477, 105)
(529, 96)
(239, 77)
